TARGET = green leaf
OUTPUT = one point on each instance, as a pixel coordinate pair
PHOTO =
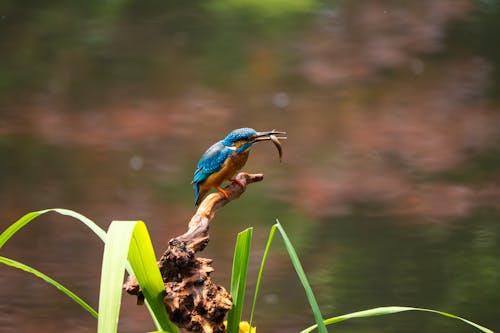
(261, 271)
(130, 238)
(303, 279)
(23, 221)
(143, 261)
(390, 310)
(239, 278)
(49, 280)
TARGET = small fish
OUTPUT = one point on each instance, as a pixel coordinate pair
(277, 144)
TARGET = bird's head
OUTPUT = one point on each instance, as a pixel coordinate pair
(243, 138)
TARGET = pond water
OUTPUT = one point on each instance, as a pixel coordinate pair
(388, 186)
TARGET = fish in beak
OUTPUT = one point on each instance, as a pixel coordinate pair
(271, 136)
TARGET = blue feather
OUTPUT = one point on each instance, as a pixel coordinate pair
(211, 161)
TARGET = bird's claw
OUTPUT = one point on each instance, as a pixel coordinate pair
(223, 192)
(239, 182)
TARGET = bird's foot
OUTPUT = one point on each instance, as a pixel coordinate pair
(223, 192)
(239, 182)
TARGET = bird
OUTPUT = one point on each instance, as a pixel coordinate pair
(225, 158)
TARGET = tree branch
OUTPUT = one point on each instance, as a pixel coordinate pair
(194, 302)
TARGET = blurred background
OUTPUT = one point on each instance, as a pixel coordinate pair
(389, 185)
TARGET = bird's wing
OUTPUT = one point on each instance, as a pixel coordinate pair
(211, 161)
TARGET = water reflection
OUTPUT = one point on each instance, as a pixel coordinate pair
(389, 184)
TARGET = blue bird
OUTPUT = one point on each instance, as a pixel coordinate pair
(225, 158)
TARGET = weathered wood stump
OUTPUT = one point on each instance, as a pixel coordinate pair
(193, 301)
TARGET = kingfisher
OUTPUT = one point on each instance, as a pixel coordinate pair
(226, 157)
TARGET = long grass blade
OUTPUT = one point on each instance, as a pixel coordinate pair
(23, 221)
(261, 271)
(239, 278)
(303, 279)
(143, 261)
(129, 238)
(26, 268)
(391, 310)
(113, 267)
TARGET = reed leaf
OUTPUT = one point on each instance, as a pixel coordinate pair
(303, 279)
(23, 221)
(130, 238)
(69, 293)
(239, 278)
(381, 311)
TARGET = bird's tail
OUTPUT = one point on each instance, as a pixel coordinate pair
(197, 198)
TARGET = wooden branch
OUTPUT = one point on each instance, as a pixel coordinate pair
(194, 302)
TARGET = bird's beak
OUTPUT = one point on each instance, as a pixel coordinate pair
(265, 136)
